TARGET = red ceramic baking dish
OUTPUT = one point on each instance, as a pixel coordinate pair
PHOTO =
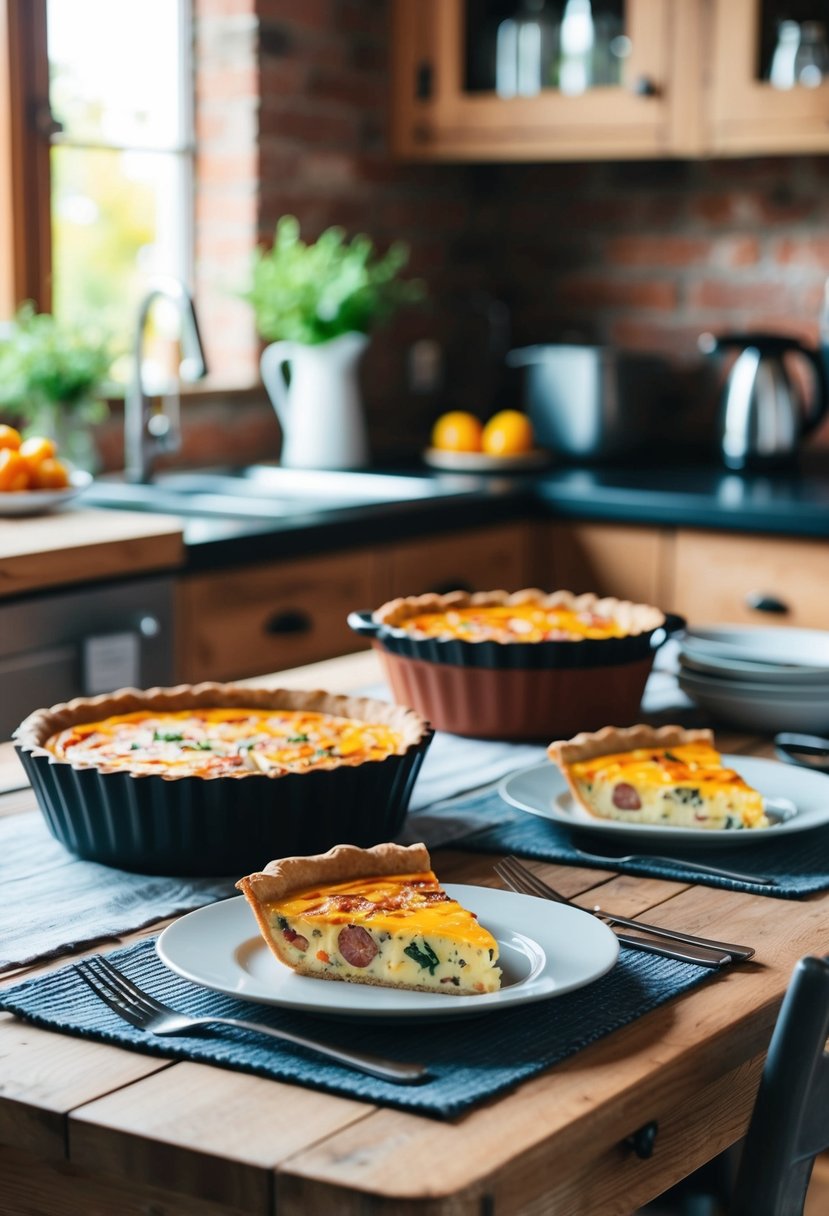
(550, 665)
(165, 794)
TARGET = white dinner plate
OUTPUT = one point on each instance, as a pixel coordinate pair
(546, 949)
(36, 502)
(751, 710)
(482, 462)
(780, 647)
(800, 796)
(748, 671)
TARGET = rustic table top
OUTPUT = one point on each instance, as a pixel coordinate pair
(90, 1128)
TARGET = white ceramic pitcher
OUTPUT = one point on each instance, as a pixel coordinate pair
(320, 411)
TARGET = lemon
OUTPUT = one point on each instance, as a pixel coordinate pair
(508, 433)
(457, 431)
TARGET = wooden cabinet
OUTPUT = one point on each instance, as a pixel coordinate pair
(745, 112)
(691, 80)
(260, 618)
(255, 619)
(707, 577)
(623, 560)
(480, 559)
(443, 109)
(752, 580)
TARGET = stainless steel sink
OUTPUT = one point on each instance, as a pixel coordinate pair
(261, 491)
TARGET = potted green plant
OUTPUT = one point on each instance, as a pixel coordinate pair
(52, 379)
(316, 304)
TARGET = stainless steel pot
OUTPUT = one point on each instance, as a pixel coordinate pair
(592, 402)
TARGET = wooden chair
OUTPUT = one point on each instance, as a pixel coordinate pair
(790, 1122)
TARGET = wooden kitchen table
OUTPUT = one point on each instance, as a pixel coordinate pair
(94, 1130)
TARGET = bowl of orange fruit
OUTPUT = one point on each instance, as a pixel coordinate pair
(462, 443)
(33, 477)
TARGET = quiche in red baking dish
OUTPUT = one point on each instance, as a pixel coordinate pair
(668, 776)
(372, 916)
(530, 615)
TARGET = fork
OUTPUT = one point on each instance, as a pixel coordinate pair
(686, 947)
(143, 1011)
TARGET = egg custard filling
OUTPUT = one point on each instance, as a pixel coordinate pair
(220, 742)
(372, 916)
(667, 776)
(530, 615)
(521, 623)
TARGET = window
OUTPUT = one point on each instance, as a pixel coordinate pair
(102, 184)
(120, 126)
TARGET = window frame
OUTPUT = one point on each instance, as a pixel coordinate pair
(25, 180)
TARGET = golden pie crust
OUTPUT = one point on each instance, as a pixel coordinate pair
(41, 726)
(632, 619)
(612, 739)
(344, 861)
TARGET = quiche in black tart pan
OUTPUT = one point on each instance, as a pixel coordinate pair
(522, 665)
(209, 778)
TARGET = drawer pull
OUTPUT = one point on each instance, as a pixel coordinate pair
(292, 621)
(643, 1140)
(758, 601)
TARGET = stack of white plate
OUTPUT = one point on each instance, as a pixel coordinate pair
(768, 679)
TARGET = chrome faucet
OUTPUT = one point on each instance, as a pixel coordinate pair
(150, 430)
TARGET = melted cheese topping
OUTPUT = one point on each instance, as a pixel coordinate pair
(224, 742)
(393, 931)
(415, 900)
(685, 785)
(513, 623)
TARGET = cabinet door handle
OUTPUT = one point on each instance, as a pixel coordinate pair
(293, 620)
(423, 81)
(644, 86)
(759, 601)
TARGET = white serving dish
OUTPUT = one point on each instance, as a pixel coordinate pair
(766, 711)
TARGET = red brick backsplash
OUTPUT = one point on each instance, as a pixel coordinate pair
(645, 255)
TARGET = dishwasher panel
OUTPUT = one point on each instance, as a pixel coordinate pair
(78, 643)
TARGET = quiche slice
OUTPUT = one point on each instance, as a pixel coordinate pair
(667, 776)
(372, 916)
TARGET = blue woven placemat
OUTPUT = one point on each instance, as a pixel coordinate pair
(799, 863)
(95, 902)
(469, 1059)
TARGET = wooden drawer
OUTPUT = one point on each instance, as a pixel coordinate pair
(257, 619)
(723, 578)
(473, 560)
(610, 559)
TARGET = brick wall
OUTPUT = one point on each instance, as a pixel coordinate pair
(643, 255)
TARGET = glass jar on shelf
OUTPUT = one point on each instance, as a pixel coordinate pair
(524, 49)
(811, 63)
(801, 56)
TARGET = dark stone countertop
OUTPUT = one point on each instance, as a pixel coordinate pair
(790, 503)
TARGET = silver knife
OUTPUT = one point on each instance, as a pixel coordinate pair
(701, 955)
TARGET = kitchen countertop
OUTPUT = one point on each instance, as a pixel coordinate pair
(81, 544)
(84, 542)
(794, 504)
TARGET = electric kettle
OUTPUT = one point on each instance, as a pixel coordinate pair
(764, 414)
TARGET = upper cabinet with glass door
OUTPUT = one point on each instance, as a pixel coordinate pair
(590, 79)
(541, 79)
(769, 88)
